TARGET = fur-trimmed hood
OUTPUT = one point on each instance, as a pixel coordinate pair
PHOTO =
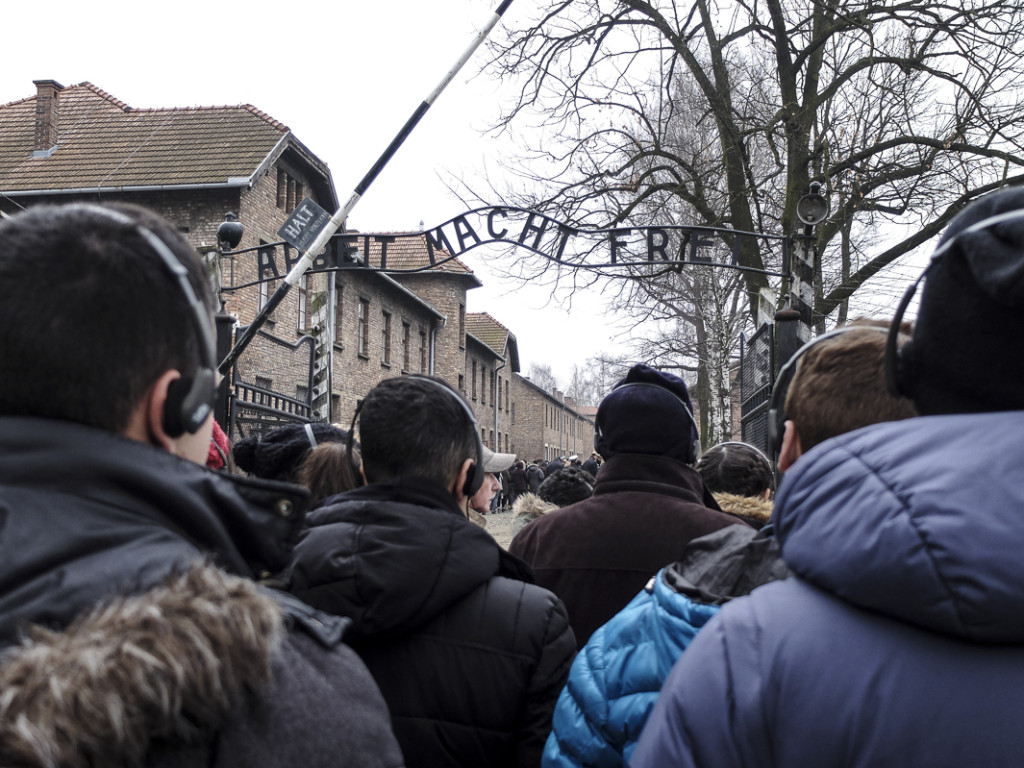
(752, 509)
(168, 665)
(528, 507)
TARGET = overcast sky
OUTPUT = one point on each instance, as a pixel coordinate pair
(344, 78)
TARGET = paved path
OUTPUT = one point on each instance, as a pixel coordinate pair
(499, 525)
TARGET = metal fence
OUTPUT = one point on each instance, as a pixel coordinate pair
(271, 386)
(757, 375)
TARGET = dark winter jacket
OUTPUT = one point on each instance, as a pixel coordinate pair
(598, 553)
(469, 654)
(616, 677)
(520, 480)
(900, 642)
(146, 654)
(536, 476)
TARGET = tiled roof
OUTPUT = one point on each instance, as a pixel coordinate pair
(409, 251)
(482, 326)
(103, 143)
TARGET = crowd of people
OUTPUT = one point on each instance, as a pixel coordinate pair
(329, 594)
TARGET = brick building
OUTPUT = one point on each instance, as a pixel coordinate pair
(193, 166)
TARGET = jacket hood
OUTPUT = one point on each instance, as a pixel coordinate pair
(919, 520)
(393, 555)
(168, 665)
(531, 506)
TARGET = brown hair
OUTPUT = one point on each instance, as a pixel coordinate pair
(326, 472)
(839, 386)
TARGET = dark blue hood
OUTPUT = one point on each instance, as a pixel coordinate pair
(920, 520)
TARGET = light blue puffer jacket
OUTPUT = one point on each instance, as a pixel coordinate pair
(616, 677)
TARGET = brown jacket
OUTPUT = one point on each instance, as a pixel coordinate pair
(596, 555)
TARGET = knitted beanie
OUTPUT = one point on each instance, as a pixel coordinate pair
(963, 355)
(279, 454)
(647, 412)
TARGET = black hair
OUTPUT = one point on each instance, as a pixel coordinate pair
(736, 468)
(566, 486)
(410, 427)
(90, 316)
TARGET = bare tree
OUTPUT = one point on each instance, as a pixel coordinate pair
(724, 112)
(590, 382)
(542, 375)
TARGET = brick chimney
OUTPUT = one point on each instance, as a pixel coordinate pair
(47, 117)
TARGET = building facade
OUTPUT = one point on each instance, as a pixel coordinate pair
(194, 166)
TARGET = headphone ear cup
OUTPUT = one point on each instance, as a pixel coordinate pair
(774, 431)
(474, 480)
(174, 420)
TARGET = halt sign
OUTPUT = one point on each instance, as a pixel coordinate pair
(306, 222)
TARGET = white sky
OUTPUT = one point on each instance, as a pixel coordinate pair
(344, 77)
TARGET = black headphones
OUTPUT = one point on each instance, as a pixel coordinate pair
(476, 474)
(761, 454)
(896, 378)
(189, 398)
(777, 404)
(689, 413)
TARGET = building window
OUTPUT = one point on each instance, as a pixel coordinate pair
(302, 393)
(462, 326)
(483, 385)
(423, 354)
(385, 339)
(506, 397)
(363, 327)
(290, 202)
(338, 315)
(473, 380)
(406, 331)
(282, 189)
(513, 413)
(462, 383)
(266, 384)
(265, 256)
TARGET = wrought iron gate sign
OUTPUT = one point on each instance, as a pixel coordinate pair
(580, 248)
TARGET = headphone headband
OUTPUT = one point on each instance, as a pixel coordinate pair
(777, 406)
(189, 399)
(476, 474)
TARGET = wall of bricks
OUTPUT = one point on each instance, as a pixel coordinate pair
(547, 425)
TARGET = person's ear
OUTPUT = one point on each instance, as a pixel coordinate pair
(460, 481)
(153, 409)
(150, 426)
(790, 450)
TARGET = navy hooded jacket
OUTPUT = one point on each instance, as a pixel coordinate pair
(901, 640)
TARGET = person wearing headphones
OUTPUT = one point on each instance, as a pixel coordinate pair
(469, 653)
(132, 627)
(648, 503)
(899, 638)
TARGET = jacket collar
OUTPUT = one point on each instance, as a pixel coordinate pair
(249, 525)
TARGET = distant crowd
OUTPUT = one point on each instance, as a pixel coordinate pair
(846, 594)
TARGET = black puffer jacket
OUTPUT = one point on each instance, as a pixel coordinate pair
(469, 654)
(151, 656)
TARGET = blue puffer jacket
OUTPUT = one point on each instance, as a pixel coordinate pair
(900, 641)
(615, 679)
